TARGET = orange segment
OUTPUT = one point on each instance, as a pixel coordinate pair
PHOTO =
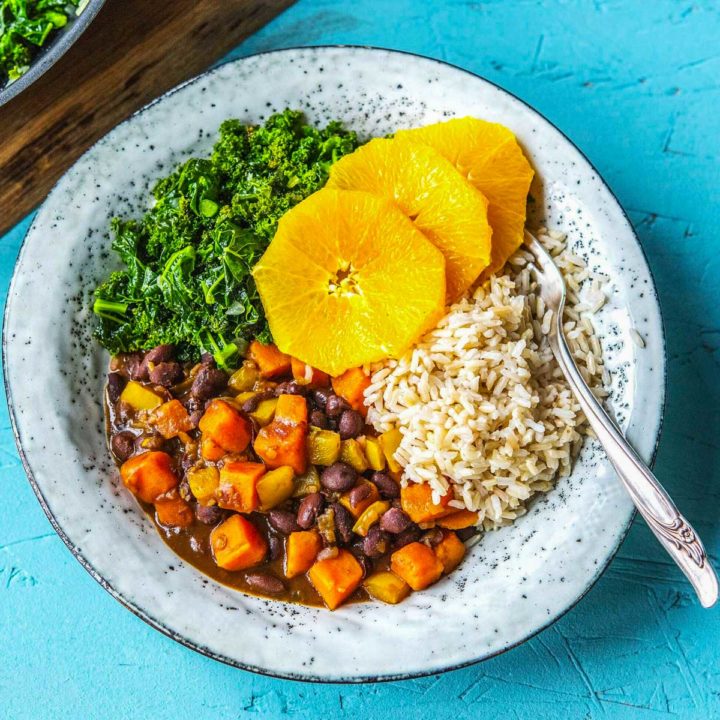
(348, 280)
(427, 188)
(489, 156)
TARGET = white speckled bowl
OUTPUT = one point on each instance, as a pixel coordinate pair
(514, 582)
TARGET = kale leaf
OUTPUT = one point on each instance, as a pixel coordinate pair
(188, 262)
(25, 26)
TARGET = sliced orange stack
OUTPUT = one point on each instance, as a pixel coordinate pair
(349, 280)
(488, 155)
(447, 209)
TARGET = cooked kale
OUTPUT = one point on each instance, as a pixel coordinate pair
(188, 262)
(25, 26)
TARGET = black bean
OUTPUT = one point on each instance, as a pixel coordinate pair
(207, 359)
(433, 537)
(209, 514)
(123, 445)
(134, 365)
(335, 406)
(411, 534)
(320, 397)
(338, 477)
(388, 488)
(166, 373)
(276, 547)
(251, 404)
(351, 424)
(359, 493)
(319, 419)
(395, 521)
(208, 382)
(376, 542)
(309, 509)
(283, 521)
(115, 385)
(290, 388)
(265, 583)
(160, 353)
(466, 533)
(343, 523)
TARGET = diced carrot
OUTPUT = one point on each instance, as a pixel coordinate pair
(306, 375)
(270, 361)
(283, 441)
(417, 565)
(300, 551)
(417, 502)
(226, 426)
(149, 475)
(171, 418)
(459, 520)
(336, 578)
(450, 551)
(173, 512)
(238, 486)
(237, 544)
(210, 450)
(351, 386)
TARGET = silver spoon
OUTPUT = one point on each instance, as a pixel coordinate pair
(669, 526)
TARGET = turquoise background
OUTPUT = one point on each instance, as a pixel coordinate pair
(637, 86)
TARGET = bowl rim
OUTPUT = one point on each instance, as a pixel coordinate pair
(206, 651)
(52, 52)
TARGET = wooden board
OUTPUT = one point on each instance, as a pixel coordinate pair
(132, 52)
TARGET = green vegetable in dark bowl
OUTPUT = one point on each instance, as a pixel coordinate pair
(25, 26)
(188, 261)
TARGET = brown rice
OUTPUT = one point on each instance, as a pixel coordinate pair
(480, 402)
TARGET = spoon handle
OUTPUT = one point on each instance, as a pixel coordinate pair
(672, 530)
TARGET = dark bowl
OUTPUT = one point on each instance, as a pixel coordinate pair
(53, 51)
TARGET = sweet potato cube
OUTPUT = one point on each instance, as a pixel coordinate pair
(171, 419)
(336, 578)
(270, 361)
(303, 374)
(450, 551)
(210, 450)
(226, 426)
(417, 502)
(300, 551)
(173, 512)
(417, 565)
(459, 520)
(149, 475)
(237, 544)
(351, 386)
(238, 486)
(291, 409)
(283, 441)
(387, 587)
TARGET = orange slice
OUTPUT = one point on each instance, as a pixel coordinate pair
(449, 211)
(349, 280)
(489, 156)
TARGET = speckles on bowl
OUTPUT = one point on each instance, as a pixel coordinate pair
(515, 581)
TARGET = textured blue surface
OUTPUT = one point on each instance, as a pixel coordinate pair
(635, 85)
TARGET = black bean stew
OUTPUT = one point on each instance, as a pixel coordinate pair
(269, 480)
